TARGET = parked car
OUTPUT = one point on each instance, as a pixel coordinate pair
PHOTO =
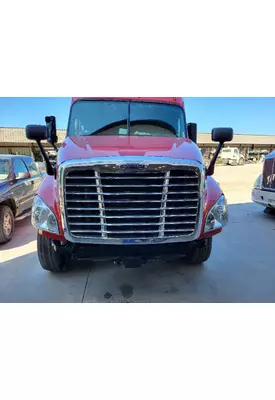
(232, 156)
(19, 181)
(256, 156)
(263, 192)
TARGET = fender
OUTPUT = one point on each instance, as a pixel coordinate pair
(48, 191)
(212, 194)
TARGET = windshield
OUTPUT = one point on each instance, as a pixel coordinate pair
(126, 118)
(4, 169)
(227, 151)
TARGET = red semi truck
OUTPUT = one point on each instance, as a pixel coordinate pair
(129, 184)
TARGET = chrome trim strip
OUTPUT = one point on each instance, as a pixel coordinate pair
(157, 163)
(101, 204)
(164, 204)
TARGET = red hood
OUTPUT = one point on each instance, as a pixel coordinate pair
(83, 147)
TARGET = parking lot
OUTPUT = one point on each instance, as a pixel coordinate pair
(241, 268)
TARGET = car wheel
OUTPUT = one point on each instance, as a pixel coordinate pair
(269, 211)
(6, 224)
(241, 161)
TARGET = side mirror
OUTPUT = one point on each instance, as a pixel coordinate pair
(23, 175)
(44, 132)
(222, 135)
(192, 130)
(52, 133)
(36, 132)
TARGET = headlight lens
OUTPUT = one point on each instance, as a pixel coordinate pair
(218, 216)
(43, 217)
(258, 183)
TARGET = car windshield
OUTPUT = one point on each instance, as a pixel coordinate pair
(92, 117)
(4, 169)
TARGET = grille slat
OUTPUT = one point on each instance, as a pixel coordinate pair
(127, 177)
(123, 232)
(153, 204)
(140, 223)
(132, 193)
(127, 201)
(131, 209)
(131, 216)
(135, 186)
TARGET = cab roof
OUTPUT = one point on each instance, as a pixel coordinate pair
(169, 100)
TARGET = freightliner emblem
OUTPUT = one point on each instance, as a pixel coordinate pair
(132, 166)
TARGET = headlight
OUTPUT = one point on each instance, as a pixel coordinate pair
(43, 217)
(258, 183)
(218, 216)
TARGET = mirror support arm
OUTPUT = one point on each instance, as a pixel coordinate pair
(54, 146)
(211, 169)
(49, 168)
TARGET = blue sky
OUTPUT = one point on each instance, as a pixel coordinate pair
(244, 115)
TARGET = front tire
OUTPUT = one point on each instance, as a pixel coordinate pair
(200, 252)
(269, 211)
(51, 258)
(241, 161)
(6, 224)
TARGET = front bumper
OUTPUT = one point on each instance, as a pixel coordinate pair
(96, 252)
(263, 198)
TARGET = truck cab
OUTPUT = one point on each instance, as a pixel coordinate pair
(129, 184)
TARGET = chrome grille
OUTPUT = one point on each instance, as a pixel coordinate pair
(268, 179)
(114, 204)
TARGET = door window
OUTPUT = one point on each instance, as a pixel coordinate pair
(32, 167)
(19, 166)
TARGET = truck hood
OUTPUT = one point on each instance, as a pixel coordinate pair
(84, 147)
